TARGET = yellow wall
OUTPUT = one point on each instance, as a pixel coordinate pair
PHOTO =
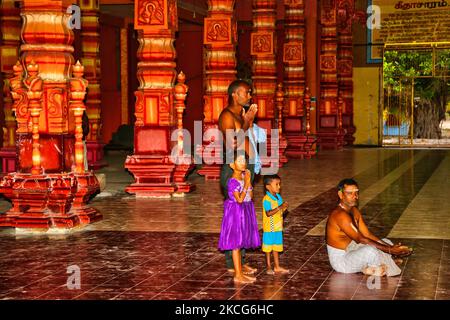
(365, 105)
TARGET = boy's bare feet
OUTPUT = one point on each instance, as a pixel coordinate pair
(281, 270)
(270, 272)
(375, 271)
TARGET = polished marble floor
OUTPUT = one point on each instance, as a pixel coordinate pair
(166, 248)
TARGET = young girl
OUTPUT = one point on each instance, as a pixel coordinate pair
(239, 226)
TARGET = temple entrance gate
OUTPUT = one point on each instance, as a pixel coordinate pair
(415, 106)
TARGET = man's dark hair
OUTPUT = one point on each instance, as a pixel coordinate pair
(346, 182)
(269, 178)
(234, 86)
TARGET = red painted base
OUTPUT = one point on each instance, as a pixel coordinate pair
(349, 139)
(157, 176)
(210, 171)
(301, 146)
(95, 155)
(331, 140)
(9, 157)
(49, 201)
(282, 159)
(179, 177)
(282, 151)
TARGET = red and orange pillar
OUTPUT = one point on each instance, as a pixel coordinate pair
(263, 49)
(346, 16)
(300, 142)
(156, 114)
(10, 25)
(90, 57)
(51, 187)
(220, 70)
(329, 131)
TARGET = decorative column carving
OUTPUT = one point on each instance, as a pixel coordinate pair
(279, 99)
(156, 116)
(48, 190)
(90, 57)
(299, 142)
(263, 49)
(185, 162)
(328, 132)
(10, 24)
(34, 85)
(78, 87)
(220, 70)
(346, 15)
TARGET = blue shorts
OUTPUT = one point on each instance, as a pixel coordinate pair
(272, 241)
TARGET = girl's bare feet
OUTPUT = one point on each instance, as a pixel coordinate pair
(248, 270)
(243, 279)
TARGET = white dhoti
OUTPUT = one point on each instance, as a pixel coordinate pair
(357, 257)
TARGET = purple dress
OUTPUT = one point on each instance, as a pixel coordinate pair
(239, 226)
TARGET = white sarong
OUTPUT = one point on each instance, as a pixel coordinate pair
(356, 257)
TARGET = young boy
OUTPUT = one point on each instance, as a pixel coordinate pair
(273, 208)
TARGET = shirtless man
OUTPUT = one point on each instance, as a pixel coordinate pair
(351, 246)
(233, 119)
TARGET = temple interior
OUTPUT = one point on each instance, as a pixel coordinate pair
(109, 153)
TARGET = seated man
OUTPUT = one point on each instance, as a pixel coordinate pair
(351, 246)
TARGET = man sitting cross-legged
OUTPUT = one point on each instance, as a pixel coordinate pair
(351, 246)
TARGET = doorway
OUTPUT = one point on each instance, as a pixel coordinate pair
(416, 96)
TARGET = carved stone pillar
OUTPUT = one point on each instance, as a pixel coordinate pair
(90, 40)
(279, 99)
(47, 191)
(10, 24)
(156, 116)
(299, 143)
(263, 49)
(330, 137)
(220, 70)
(346, 15)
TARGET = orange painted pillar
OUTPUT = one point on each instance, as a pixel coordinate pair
(312, 38)
(330, 136)
(347, 14)
(90, 40)
(263, 49)
(300, 144)
(156, 116)
(220, 70)
(50, 190)
(10, 24)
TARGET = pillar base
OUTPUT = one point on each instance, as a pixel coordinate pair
(157, 176)
(282, 159)
(9, 157)
(95, 155)
(301, 146)
(210, 171)
(349, 139)
(49, 201)
(282, 151)
(331, 140)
